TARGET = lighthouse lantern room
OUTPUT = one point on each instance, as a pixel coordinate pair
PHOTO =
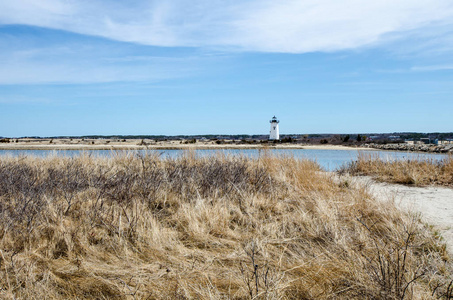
(274, 134)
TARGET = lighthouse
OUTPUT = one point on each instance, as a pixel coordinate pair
(274, 134)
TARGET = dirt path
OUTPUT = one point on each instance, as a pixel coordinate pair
(434, 203)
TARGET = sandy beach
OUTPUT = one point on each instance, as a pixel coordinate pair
(137, 144)
(433, 203)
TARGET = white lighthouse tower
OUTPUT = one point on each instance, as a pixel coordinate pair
(274, 134)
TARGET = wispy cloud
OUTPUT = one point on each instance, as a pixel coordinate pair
(291, 26)
(206, 33)
(427, 68)
(433, 68)
(21, 99)
(77, 62)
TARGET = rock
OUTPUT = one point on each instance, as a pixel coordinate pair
(411, 147)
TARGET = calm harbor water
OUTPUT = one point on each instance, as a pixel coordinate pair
(327, 159)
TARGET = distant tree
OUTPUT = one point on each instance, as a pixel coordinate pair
(287, 139)
(359, 138)
(191, 141)
(346, 138)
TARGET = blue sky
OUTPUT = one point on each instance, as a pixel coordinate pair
(225, 67)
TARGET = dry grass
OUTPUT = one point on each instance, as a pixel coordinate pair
(222, 227)
(419, 172)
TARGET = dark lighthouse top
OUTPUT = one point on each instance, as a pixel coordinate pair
(274, 120)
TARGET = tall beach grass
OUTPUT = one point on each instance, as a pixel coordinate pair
(219, 227)
(416, 171)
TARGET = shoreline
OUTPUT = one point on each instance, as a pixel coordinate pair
(134, 144)
(417, 148)
(170, 146)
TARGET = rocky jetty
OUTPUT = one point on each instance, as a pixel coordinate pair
(446, 148)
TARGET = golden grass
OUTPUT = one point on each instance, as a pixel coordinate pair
(218, 227)
(419, 172)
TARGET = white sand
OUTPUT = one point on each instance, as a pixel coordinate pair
(435, 204)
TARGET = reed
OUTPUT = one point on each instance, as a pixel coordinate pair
(219, 227)
(418, 171)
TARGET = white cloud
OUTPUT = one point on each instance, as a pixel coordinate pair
(35, 12)
(293, 26)
(323, 25)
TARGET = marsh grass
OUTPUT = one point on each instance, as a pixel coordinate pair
(218, 227)
(418, 171)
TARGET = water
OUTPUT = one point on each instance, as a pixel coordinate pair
(327, 159)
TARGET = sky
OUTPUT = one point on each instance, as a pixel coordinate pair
(174, 67)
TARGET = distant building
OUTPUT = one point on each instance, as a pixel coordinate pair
(444, 142)
(425, 140)
(274, 133)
